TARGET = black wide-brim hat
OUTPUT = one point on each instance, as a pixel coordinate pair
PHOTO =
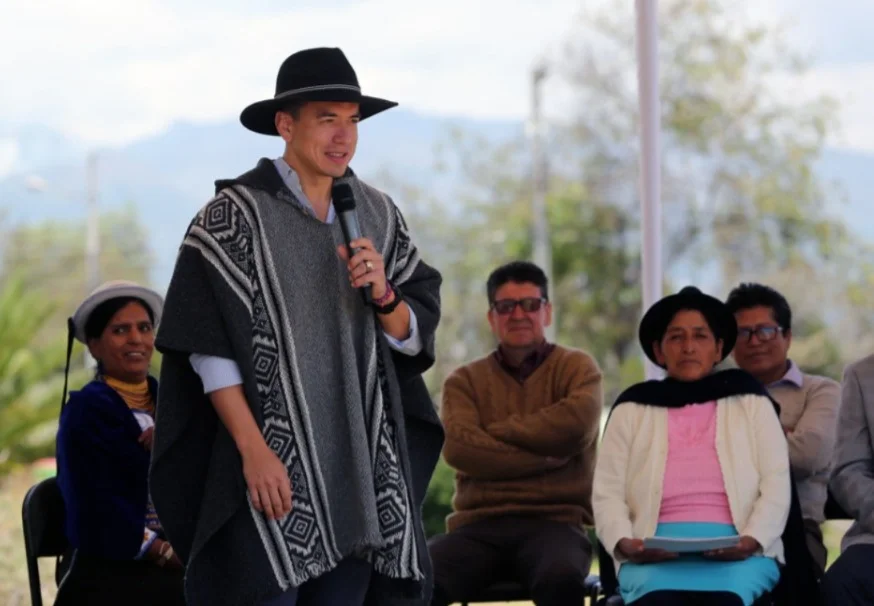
(656, 320)
(315, 74)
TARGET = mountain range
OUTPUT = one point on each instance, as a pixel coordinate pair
(170, 175)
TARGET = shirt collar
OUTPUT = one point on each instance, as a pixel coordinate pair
(531, 362)
(292, 182)
(793, 376)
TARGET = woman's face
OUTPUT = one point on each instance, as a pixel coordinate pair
(125, 347)
(688, 350)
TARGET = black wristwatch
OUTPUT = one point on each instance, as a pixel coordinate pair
(390, 307)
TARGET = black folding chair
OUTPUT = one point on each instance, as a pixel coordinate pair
(510, 591)
(42, 516)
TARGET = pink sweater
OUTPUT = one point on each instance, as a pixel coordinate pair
(693, 489)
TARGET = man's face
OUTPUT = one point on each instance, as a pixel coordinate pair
(762, 344)
(322, 139)
(516, 327)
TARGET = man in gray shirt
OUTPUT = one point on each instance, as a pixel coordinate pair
(808, 403)
(849, 581)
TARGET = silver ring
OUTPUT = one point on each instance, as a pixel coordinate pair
(368, 265)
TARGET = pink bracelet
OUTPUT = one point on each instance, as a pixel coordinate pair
(384, 298)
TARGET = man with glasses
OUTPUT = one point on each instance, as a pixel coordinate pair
(808, 403)
(521, 429)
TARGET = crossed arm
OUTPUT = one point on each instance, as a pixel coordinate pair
(812, 441)
(521, 445)
(566, 427)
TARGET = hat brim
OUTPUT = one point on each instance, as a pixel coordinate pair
(655, 321)
(154, 301)
(260, 117)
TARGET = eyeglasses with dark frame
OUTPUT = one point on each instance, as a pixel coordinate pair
(763, 333)
(529, 305)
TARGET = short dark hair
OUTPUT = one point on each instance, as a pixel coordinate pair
(293, 108)
(749, 294)
(518, 272)
(102, 314)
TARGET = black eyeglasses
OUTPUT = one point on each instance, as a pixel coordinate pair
(529, 304)
(763, 333)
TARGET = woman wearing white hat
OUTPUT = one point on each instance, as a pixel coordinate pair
(118, 551)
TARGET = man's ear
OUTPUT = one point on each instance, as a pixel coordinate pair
(284, 124)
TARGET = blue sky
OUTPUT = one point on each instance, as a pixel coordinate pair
(112, 71)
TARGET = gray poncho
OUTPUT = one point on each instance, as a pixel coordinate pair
(258, 280)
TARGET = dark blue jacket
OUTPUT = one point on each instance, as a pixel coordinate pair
(103, 472)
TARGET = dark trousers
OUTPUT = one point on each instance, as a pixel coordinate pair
(549, 558)
(347, 584)
(850, 580)
(689, 598)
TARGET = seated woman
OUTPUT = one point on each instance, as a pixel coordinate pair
(696, 455)
(119, 555)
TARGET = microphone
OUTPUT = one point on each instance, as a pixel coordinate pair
(344, 207)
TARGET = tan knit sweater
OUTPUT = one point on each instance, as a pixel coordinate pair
(523, 449)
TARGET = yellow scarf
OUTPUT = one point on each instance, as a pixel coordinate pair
(136, 395)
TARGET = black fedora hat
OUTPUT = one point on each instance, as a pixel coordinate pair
(315, 74)
(656, 320)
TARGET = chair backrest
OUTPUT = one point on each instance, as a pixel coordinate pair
(42, 516)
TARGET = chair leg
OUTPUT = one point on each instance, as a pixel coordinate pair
(33, 577)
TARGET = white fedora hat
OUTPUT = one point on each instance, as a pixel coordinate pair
(113, 290)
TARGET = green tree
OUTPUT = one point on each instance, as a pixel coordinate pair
(741, 197)
(31, 376)
(42, 273)
(50, 257)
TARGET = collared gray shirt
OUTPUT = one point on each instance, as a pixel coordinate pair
(809, 414)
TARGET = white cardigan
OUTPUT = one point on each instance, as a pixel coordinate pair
(753, 455)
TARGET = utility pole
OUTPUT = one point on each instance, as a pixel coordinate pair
(92, 234)
(541, 242)
(650, 157)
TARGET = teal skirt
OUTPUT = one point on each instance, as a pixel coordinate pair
(749, 578)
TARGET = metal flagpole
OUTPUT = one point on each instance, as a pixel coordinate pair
(92, 237)
(542, 253)
(650, 164)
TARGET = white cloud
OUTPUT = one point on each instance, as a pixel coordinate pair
(111, 71)
(836, 35)
(851, 86)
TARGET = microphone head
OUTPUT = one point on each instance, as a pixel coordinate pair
(342, 197)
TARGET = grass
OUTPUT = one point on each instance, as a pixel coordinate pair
(13, 568)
